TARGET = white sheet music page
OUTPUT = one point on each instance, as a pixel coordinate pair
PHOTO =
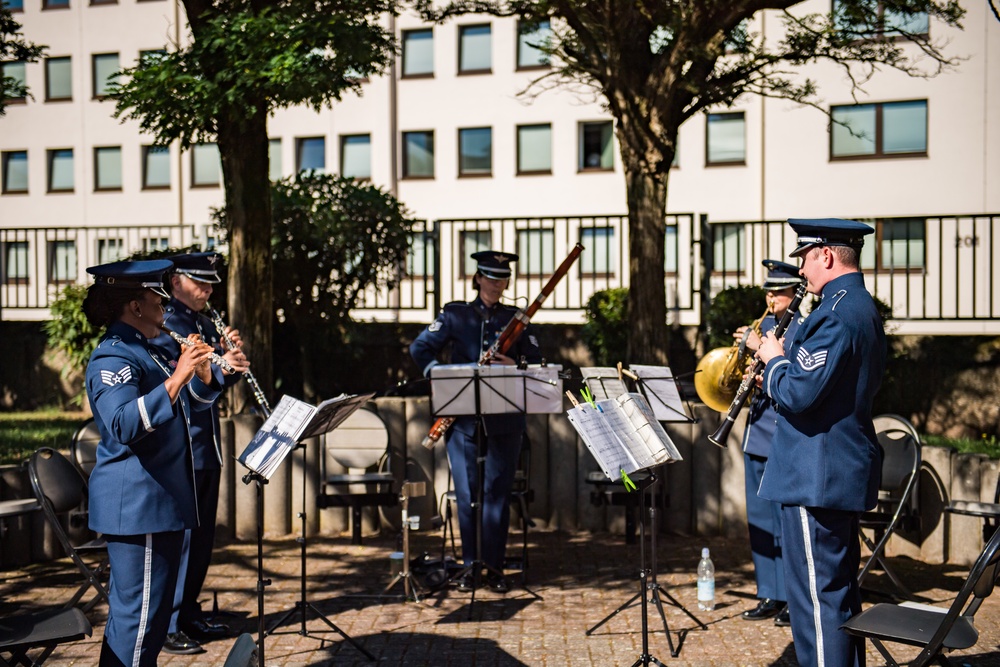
(277, 437)
(605, 446)
(648, 432)
(660, 388)
(603, 382)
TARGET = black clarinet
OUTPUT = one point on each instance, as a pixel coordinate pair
(746, 387)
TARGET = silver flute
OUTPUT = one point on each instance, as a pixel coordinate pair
(216, 359)
(258, 393)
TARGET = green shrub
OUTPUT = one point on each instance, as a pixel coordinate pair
(606, 331)
(731, 309)
(69, 331)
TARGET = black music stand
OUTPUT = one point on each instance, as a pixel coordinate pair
(292, 421)
(472, 390)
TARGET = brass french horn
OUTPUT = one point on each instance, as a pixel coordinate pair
(719, 373)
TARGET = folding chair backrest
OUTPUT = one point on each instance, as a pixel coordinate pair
(360, 442)
(56, 480)
(83, 449)
(900, 451)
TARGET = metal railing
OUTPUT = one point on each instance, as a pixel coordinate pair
(933, 271)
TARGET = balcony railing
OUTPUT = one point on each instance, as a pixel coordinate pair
(937, 273)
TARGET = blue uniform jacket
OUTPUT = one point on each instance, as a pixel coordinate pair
(824, 453)
(204, 424)
(471, 328)
(143, 481)
(763, 418)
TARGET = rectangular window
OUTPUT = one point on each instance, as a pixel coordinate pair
(536, 250)
(728, 244)
(105, 72)
(475, 151)
(881, 22)
(206, 165)
(599, 260)
(901, 243)
(149, 244)
(15, 263)
(418, 154)
(15, 171)
(108, 168)
(14, 6)
(110, 250)
(310, 154)
(671, 256)
(596, 147)
(60, 162)
(887, 129)
(58, 79)
(531, 38)
(534, 149)
(274, 170)
(62, 261)
(725, 138)
(474, 49)
(356, 156)
(15, 73)
(418, 52)
(472, 242)
(420, 255)
(55, 4)
(155, 167)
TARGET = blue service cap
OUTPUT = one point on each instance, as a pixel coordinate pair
(201, 266)
(146, 274)
(494, 264)
(780, 275)
(828, 231)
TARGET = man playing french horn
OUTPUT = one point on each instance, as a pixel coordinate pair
(764, 516)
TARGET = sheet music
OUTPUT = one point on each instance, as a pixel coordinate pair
(623, 434)
(332, 412)
(659, 387)
(603, 382)
(277, 437)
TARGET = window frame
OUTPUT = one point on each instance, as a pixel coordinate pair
(48, 5)
(462, 173)
(880, 264)
(517, 165)
(518, 35)
(404, 156)
(879, 151)
(465, 261)
(95, 84)
(23, 99)
(581, 162)
(5, 157)
(51, 155)
(48, 77)
(709, 162)
(546, 252)
(52, 246)
(610, 270)
(344, 138)
(402, 54)
(5, 277)
(97, 171)
(461, 49)
(147, 149)
(880, 32)
(299, 143)
(195, 185)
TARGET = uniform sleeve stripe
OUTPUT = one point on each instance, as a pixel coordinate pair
(147, 424)
(427, 370)
(197, 397)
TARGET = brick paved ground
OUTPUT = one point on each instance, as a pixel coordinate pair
(577, 580)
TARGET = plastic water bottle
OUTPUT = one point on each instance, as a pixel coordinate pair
(706, 582)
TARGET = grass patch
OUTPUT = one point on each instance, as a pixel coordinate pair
(989, 445)
(21, 433)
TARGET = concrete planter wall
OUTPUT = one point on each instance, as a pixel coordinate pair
(702, 495)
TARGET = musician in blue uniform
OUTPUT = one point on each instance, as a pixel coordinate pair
(191, 286)
(470, 329)
(142, 495)
(825, 461)
(764, 516)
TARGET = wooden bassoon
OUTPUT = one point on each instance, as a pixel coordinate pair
(508, 336)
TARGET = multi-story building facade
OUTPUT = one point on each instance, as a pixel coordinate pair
(448, 132)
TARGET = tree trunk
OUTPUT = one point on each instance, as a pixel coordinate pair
(647, 201)
(243, 148)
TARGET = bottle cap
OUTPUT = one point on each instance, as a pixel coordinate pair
(704, 552)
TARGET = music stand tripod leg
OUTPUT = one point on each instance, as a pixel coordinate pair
(303, 606)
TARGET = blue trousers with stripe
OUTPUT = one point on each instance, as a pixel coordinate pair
(822, 554)
(764, 521)
(143, 576)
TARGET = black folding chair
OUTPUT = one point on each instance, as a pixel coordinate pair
(934, 629)
(83, 448)
(45, 630)
(60, 489)
(243, 653)
(896, 506)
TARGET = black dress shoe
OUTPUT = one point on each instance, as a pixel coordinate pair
(782, 620)
(179, 643)
(497, 583)
(205, 631)
(766, 608)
